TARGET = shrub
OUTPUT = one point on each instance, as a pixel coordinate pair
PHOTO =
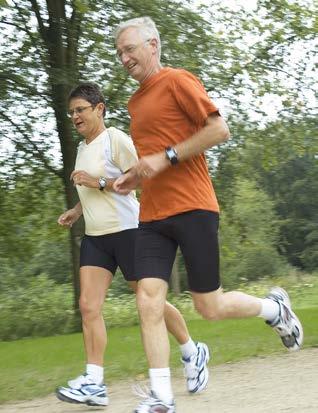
(38, 308)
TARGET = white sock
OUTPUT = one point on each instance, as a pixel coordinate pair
(95, 372)
(160, 383)
(269, 310)
(188, 349)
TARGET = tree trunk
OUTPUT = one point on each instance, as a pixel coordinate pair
(62, 70)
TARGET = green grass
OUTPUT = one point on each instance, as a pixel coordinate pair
(34, 367)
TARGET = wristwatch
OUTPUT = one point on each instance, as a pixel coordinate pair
(171, 155)
(102, 183)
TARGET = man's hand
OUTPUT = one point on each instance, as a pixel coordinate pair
(83, 178)
(151, 165)
(127, 182)
(147, 167)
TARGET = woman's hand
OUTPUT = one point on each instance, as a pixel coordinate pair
(83, 178)
(68, 218)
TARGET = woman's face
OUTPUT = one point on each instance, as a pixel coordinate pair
(85, 117)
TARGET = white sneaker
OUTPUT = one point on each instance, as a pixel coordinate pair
(76, 383)
(196, 370)
(286, 324)
(151, 404)
(84, 391)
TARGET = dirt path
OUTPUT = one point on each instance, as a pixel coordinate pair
(284, 383)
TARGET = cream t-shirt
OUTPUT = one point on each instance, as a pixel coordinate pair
(109, 155)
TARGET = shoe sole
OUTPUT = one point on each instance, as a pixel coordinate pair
(90, 402)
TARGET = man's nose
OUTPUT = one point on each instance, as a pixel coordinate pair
(124, 58)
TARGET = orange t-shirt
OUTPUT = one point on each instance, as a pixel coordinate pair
(168, 108)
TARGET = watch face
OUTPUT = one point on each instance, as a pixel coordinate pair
(102, 182)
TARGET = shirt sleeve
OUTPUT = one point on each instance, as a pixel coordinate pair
(124, 153)
(192, 97)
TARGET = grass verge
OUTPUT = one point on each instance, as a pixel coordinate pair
(35, 367)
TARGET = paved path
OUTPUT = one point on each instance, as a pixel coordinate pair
(284, 383)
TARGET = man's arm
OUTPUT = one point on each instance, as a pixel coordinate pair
(213, 133)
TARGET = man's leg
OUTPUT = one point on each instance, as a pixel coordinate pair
(174, 320)
(151, 301)
(198, 232)
(217, 305)
(274, 309)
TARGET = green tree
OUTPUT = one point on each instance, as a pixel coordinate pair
(57, 44)
(31, 243)
(294, 187)
(249, 235)
(47, 47)
(282, 159)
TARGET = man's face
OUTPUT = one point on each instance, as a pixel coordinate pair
(136, 54)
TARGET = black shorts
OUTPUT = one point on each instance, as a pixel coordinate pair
(196, 232)
(111, 251)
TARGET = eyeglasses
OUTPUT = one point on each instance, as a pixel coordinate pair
(130, 49)
(77, 111)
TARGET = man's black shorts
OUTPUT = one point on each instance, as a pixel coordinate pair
(196, 232)
(111, 251)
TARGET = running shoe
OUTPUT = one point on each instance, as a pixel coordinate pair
(286, 324)
(76, 383)
(151, 404)
(196, 370)
(83, 391)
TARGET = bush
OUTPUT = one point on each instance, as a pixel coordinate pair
(38, 308)
(41, 307)
(44, 308)
(120, 310)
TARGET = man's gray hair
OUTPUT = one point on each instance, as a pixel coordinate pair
(145, 26)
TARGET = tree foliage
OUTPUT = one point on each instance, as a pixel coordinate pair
(31, 243)
(257, 63)
(249, 236)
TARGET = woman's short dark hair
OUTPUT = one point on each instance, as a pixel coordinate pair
(90, 92)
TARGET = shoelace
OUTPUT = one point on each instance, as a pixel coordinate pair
(79, 381)
(149, 398)
(190, 368)
(141, 391)
(82, 380)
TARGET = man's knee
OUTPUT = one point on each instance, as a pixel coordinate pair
(210, 310)
(210, 314)
(147, 302)
(150, 302)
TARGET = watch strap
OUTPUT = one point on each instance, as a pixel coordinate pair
(171, 155)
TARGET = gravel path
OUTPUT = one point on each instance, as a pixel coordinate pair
(284, 383)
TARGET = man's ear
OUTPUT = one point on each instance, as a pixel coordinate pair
(154, 44)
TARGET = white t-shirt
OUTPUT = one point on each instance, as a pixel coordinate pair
(109, 155)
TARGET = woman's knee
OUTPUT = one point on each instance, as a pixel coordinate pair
(89, 308)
